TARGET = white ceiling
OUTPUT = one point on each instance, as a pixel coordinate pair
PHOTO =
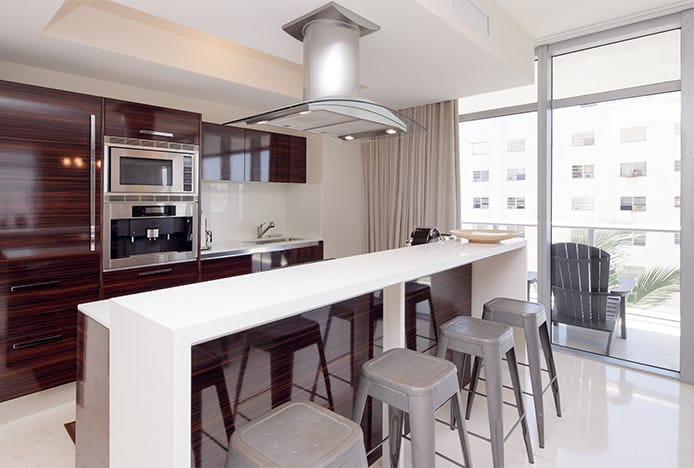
(416, 58)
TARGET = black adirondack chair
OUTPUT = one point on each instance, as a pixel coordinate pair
(581, 290)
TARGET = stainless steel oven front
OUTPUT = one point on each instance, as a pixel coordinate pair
(144, 166)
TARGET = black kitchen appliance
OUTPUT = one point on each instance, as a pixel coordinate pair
(424, 236)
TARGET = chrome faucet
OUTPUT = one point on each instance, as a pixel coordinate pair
(263, 228)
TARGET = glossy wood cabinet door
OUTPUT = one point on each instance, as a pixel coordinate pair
(137, 280)
(223, 153)
(50, 185)
(306, 254)
(296, 161)
(218, 268)
(136, 120)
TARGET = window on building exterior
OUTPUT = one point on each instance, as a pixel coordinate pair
(515, 203)
(632, 134)
(582, 204)
(677, 202)
(583, 138)
(678, 165)
(638, 239)
(515, 174)
(516, 145)
(582, 171)
(677, 128)
(677, 238)
(480, 202)
(632, 203)
(480, 176)
(632, 169)
(480, 148)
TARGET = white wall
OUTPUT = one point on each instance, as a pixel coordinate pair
(330, 205)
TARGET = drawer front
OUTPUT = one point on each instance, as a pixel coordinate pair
(135, 120)
(226, 267)
(306, 254)
(44, 310)
(120, 283)
(38, 274)
(32, 363)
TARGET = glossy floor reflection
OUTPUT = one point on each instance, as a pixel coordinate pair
(613, 417)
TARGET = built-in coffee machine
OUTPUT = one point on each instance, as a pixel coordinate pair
(151, 203)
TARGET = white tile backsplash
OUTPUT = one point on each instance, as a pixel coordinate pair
(233, 210)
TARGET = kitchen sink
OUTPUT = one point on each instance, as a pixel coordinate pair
(272, 240)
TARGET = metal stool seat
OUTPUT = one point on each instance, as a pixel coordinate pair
(415, 383)
(489, 341)
(298, 434)
(531, 318)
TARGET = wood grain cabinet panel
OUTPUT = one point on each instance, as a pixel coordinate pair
(306, 254)
(223, 153)
(136, 120)
(225, 267)
(137, 280)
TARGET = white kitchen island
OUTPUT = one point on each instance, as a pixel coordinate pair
(151, 334)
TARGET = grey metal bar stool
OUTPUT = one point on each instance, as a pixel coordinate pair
(489, 341)
(298, 434)
(415, 383)
(531, 318)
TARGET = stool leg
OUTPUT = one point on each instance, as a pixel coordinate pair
(474, 379)
(460, 360)
(360, 401)
(532, 344)
(395, 417)
(326, 377)
(325, 340)
(422, 431)
(551, 367)
(433, 315)
(224, 404)
(515, 379)
(457, 405)
(494, 406)
(239, 382)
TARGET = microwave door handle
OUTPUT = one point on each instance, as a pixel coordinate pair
(92, 183)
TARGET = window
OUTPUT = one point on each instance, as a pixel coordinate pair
(635, 169)
(638, 239)
(515, 174)
(582, 171)
(632, 203)
(480, 148)
(516, 145)
(515, 203)
(677, 238)
(677, 128)
(632, 134)
(583, 138)
(582, 204)
(678, 165)
(677, 202)
(480, 202)
(480, 176)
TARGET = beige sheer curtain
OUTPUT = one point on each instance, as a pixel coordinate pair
(414, 180)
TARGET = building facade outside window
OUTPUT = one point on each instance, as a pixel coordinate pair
(632, 169)
(632, 134)
(515, 203)
(583, 138)
(515, 174)
(632, 203)
(480, 176)
(480, 203)
(582, 171)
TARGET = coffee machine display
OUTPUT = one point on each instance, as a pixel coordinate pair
(150, 234)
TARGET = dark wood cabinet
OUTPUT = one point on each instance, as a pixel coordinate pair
(136, 120)
(137, 280)
(301, 255)
(50, 179)
(236, 154)
(218, 268)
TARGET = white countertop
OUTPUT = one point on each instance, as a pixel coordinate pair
(204, 311)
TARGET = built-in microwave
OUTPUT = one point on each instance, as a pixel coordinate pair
(141, 166)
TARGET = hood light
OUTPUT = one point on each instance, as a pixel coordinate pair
(349, 137)
(304, 112)
(262, 122)
(391, 131)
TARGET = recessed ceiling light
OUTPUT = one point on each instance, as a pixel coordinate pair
(304, 112)
(391, 131)
(262, 122)
(349, 137)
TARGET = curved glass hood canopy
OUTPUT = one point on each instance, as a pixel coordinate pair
(331, 104)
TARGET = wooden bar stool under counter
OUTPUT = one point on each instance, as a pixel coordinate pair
(531, 318)
(488, 341)
(417, 384)
(298, 434)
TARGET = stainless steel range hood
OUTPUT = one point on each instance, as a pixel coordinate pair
(331, 104)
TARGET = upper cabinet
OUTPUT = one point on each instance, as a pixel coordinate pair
(236, 154)
(135, 120)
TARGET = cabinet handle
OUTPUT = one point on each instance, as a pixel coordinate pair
(156, 133)
(92, 183)
(37, 342)
(163, 271)
(34, 286)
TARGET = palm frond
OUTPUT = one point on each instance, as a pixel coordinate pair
(655, 286)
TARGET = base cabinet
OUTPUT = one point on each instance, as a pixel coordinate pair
(137, 280)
